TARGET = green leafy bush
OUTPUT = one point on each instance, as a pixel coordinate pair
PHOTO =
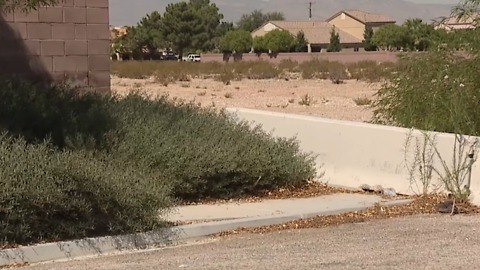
(37, 112)
(51, 195)
(206, 153)
(432, 91)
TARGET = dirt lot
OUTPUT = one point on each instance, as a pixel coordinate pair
(420, 242)
(327, 99)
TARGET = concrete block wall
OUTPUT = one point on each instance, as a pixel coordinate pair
(351, 154)
(343, 57)
(67, 42)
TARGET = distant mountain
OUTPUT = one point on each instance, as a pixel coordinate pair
(129, 12)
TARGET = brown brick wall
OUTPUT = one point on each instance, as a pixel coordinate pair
(344, 57)
(69, 42)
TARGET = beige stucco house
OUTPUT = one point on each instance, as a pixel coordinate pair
(350, 25)
(316, 32)
(453, 23)
(354, 21)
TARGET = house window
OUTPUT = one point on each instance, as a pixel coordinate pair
(342, 16)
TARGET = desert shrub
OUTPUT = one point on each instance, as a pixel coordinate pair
(362, 101)
(337, 72)
(226, 76)
(206, 153)
(163, 77)
(255, 70)
(370, 71)
(432, 91)
(288, 65)
(306, 100)
(37, 112)
(134, 69)
(177, 71)
(50, 195)
(314, 69)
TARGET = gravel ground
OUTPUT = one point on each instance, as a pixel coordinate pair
(418, 242)
(327, 99)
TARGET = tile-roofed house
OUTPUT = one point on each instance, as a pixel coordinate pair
(454, 23)
(317, 33)
(366, 17)
(354, 21)
(116, 31)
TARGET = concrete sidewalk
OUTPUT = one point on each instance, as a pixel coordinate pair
(273, 208)
(205, 220)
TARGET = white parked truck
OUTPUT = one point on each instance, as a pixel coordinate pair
(193, 57)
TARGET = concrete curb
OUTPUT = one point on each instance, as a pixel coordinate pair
(167, 237)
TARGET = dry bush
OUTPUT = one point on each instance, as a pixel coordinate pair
(337, 72)
(362, 101)
(315, 69)
(288, 65)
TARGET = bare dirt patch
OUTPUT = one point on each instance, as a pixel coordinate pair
(307, 97)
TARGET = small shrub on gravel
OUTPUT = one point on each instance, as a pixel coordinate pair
(315, 69)
(337, 72)
(256, 70)
(369, 71)
(226, 76)
(163, 78)
(288, 65)
(206, 153)
(50, 195)
(362, 101)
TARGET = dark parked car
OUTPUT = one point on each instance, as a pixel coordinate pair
(169, 56)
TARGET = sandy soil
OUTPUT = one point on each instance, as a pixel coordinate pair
(327, 99)
(420, 242)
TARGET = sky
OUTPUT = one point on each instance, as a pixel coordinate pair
(129, 12)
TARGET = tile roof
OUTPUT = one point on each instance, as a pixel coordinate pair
(467, 20)
(316, 32)
(365, 17)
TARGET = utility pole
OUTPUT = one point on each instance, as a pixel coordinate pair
(310, 11)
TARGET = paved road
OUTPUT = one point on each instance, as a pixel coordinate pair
(422, 242)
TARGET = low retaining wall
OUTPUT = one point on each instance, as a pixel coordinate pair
(351, 153)
(343, 57)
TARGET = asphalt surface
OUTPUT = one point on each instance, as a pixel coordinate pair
(420, 242)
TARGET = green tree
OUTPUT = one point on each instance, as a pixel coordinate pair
(367, 39)
(255, 19)
(335, 44)
(25, 5)
(259, 45)
(391, 37)
(148, 35)
(301, 42)
(222, 29)
(128, 44)
(191, 25)
(237, 41)
(279, 41)
(208, 19)
(421, 34)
